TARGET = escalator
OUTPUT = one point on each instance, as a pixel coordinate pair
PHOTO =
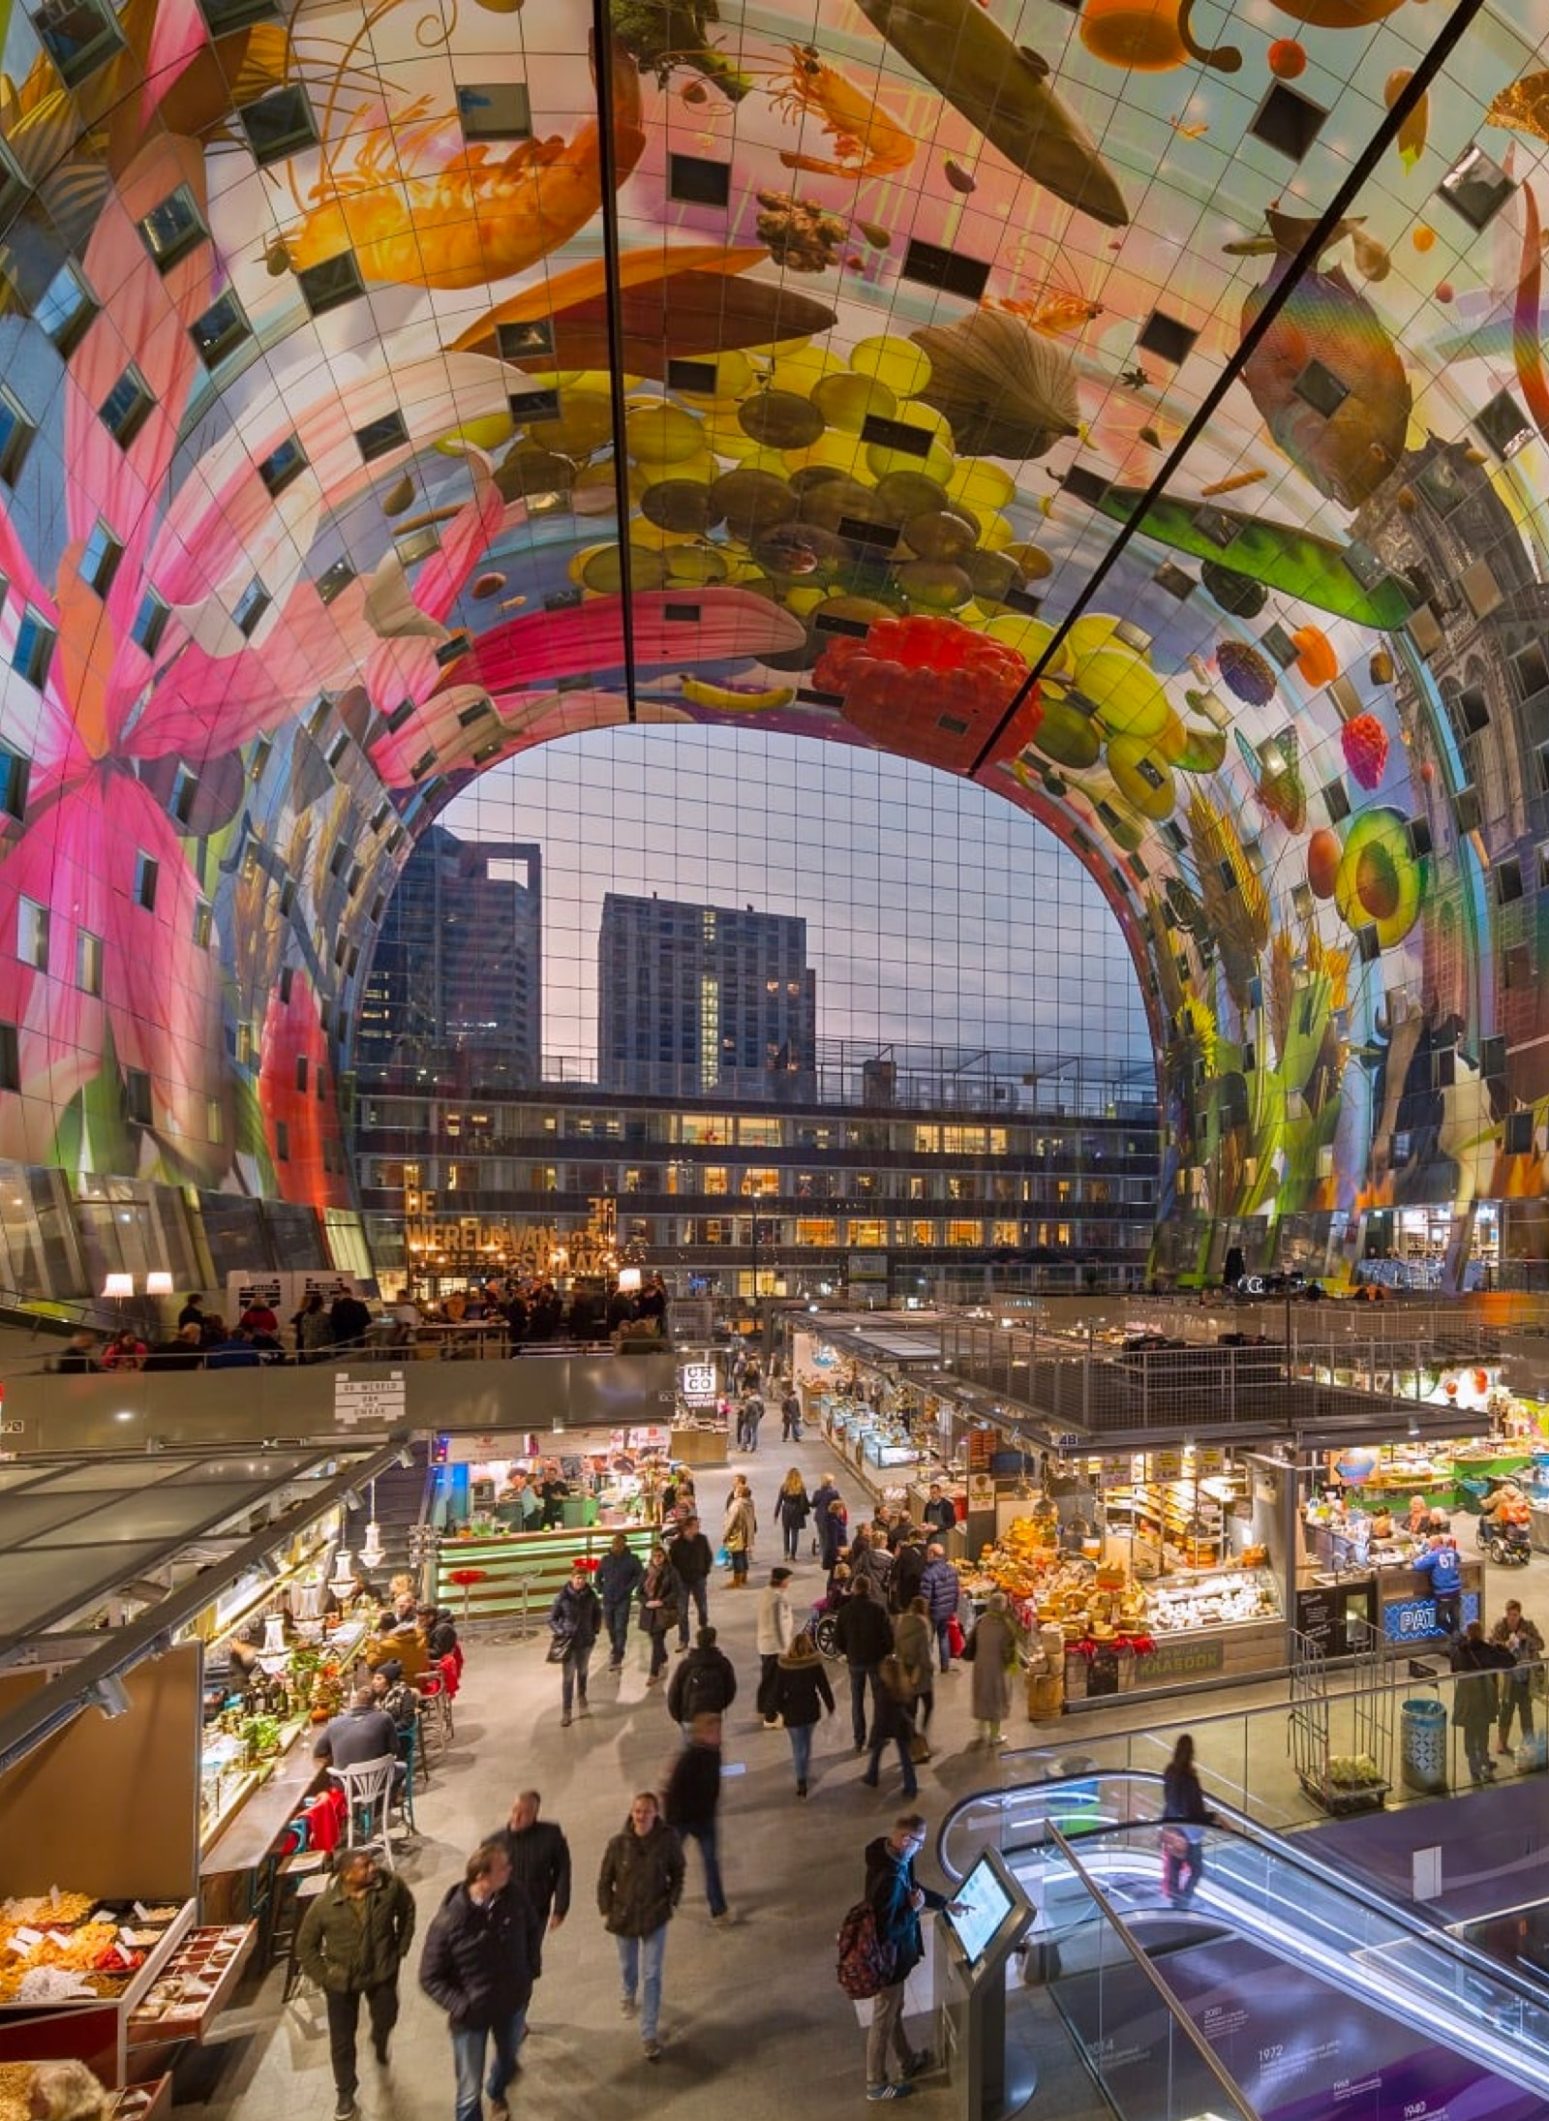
(1284, 1989)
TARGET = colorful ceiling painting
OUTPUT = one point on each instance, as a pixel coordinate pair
(1138, 405)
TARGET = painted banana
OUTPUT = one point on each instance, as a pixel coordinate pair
(699, 692)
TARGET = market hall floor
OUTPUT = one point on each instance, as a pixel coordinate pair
(754, 2023)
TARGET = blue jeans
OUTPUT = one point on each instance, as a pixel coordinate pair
(706, 1838)
(468, 2049)
(942, 1645)
(800, 1735)
(640, 1965)
(616, 1621)
(573, 1679)
(701, 1599)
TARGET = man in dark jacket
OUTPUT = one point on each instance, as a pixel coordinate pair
(903, 1584)
(574, 1619)
(941, 1590)
(866, 1637)
(828, 1528)
(540, 1864)
(477, 1965)
(353, 1939)
(620, 1574)
(896, 1901)
(693, 1799)
(705, 1683)
(790, 1416)
(689, 1553)
(638, 1890)
(939, 1513)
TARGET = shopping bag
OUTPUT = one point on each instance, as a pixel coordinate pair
(919, 1748)
(955, 1636)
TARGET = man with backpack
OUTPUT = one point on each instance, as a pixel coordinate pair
(880, 1945)
(704, 1684)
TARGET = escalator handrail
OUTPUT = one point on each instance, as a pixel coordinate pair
(1170, 2003)
(1238, 1822)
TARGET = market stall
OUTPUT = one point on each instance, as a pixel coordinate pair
(502, 1575)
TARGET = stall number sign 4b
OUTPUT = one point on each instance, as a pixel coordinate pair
(376, 1402)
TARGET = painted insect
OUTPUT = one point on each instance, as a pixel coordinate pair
(867, 142)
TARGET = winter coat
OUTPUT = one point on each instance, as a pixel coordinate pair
(1475, 1697)
(741, 1525)
(693, 1792)
(691, 1558)
(618, 1577)
(540, 1864)
(775, 1625)
(1527, 1647)
(864, 1630)
(891, 1716)
(478, 1959)
(822, 1495)
(1183, 1798)
(641, 1880)
(793, 1510)
(661, 1582)
(938, 1583)
(346, 1952)
(994, 1655)
(890, 1883)
(800, 1684)
(908, 1568)
(577, 1614)
(914, 1646)
(703, 1682)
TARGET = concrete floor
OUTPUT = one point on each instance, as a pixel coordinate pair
(753, 2021)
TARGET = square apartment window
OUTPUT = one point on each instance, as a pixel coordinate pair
(1476, 187)
(185, 787)
(494, 110)
(65, 308)
(278, 125)
(1167, 337)
(283, 466)
(221, 330)
(16, 433)
(10, 1058)
(379, 438)
(15, 773)
(530, 341)
(32, 934)
(696, 180)
(933, 266)
(88, 961)
(78, 35)
(1504, 425)
(146, 871)
(99, 559)
(127, 406)
(1319, 387)
(137, 1096)
(1288, 121)
(34, 649)
(173, 228)
(330, 285)
(250, 608)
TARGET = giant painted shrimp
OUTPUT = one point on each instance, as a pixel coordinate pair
(867, 142)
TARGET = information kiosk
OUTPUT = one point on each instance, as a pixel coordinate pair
(978, 1932)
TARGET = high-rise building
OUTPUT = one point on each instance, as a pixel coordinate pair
(704, 998)
(455, 989)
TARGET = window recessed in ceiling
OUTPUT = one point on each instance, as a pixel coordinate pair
(695, 180)
(451, 650)
(697, 378)
(1476, 187)
(34, 649)
(902, 435)
(16, 433)
(330, 285)
(127, 406)
(418, 544)
(1276, 642)
(1084, 485)
(1217, 525)
(1174, 581)
(1336, 802)
(881, 536)
(1418, 831)
(1288, 121)
(283, 466)
(954, 274)
(400, 714)
(334, 580)
(150, 622)
(78, 35)
(525, 342)
(378, 438)
(475, 713)
(1504, 425)
(174, 228)
(65, 308)
(494, 110)
(1320, 388)
(250, 608)
(279, 124)
(1364, 564)
(681, 614)
(1471, 710)
(529, 405)
(225, 17)
(221, 330)
(1167, 337)
(99, 559)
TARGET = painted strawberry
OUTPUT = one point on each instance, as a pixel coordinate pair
(1365, 743)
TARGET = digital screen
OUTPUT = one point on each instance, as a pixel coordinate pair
(981, 1904)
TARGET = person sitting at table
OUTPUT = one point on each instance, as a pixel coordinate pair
(1419, 1518)
(392, 1692)
(401, 1639)
(364, 1732)
(439, 1630)
(125, 1351)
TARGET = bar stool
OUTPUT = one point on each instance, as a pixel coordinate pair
(301, 1879)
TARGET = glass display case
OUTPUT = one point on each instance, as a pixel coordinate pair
(1225, 1598)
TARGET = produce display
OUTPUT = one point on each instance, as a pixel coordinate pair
(184, 1992)
(1103, 1603)
(60, 1947)
(15, 2077)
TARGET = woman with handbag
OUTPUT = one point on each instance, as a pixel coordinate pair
(801, 1691)
(793, 1507)
(738, 1533)
(992, 1651)
(1185, 1817)
(658, 1609)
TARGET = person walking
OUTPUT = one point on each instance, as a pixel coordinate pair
(477, 1965)
(865, 1637)
(691, 1558)
(912, 1646)
(352, 1942)
(1185, 1816)
(775, 1627)
(692, 1801)
(827, 1529)
(662, 1600)
(1515, 1632)
(1474, 1697)
(539, 1856)
(752, 1413)
(638, 1890)
(801, 1685)
(620, 1574)
(790, 1416)
(892, 1723)
(705, 1683)
(574, 1618)
(793, 1507)
(739, 1531)
(992, 1650)
(897, 1900)
(942, 1592)
(903, 1585)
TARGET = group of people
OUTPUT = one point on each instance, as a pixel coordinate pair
(540, 1311)
(1495, 1685)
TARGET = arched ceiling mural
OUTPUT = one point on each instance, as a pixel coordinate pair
(1138, 405)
